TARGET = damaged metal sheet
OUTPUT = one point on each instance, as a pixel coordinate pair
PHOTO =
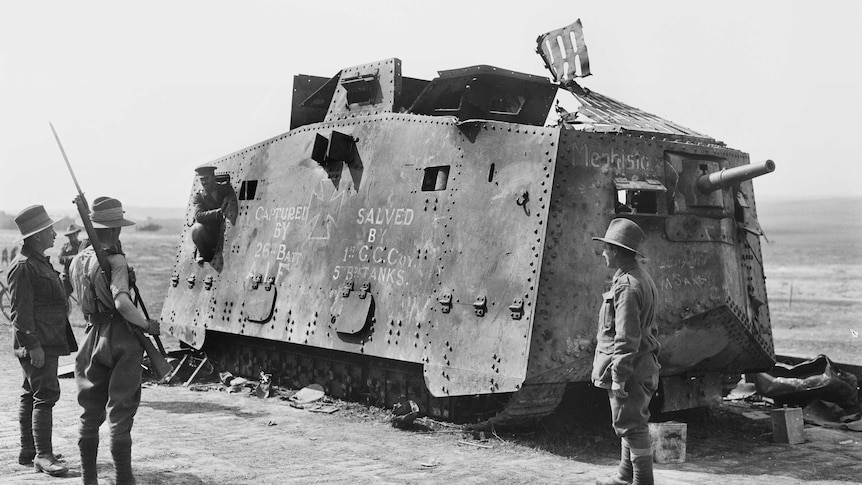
(565, 53)
(803, 383)
(604, 114)
(623, 183)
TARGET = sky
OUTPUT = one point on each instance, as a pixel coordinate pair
(142, 92)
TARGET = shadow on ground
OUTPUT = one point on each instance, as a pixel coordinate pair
(183, 407)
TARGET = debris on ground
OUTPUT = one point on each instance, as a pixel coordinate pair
(263, 389)
(188, 365)
(404, 413)
(478, 445)
(323, 408)
(827, 395)
(807, 381)
(308, 394)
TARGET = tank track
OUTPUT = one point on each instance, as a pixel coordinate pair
(375, 381)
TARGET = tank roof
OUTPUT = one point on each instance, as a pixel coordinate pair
(601, 113)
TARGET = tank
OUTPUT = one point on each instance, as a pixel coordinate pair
(431, 240)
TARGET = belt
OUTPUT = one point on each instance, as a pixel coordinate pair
(103, 317)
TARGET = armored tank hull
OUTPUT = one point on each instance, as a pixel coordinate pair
(431, 240)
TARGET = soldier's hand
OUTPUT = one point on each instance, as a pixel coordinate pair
(37, 357)
(132, 277)
(618, 389)
(154, 327)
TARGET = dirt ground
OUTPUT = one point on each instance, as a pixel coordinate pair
(191, 437)
(210, 436)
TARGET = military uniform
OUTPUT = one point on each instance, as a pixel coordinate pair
(108, 366)
(67, 253)
(626, 356)
(39, 316)
(211, 209)
(627, 348)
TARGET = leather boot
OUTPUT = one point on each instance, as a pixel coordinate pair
(25, 424)
(643, 471)
(50, 465)
(45, 461)
(89, 447)
(121, 450)
(624, 474)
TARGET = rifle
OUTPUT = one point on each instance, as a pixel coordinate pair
(160, 365)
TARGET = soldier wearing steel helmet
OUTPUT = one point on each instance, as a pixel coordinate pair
(626, 357)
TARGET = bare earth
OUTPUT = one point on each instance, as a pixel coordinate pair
(191, 437)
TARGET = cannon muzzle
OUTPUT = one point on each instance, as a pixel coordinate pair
(725, 178)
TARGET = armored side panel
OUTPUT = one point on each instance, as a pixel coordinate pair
(399, 236)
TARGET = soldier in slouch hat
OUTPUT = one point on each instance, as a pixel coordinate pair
(626, 357)
(108, 367)
(42, 334)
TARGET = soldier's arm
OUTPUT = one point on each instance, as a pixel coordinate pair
(628, 331)
(121, 293)
(66, 254)
(204, 215)
(229, 204)
(21, 292)
(129, 311)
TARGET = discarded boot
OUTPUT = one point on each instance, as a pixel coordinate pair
(624, 474)
(643, 471)
(50, 465)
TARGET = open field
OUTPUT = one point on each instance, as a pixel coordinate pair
(813, 265)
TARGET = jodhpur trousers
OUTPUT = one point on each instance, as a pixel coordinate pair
(108, 376)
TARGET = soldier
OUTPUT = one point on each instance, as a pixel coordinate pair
(69, 250)
(108, 367)
(626, 357)
(42, 334)
(214, 203)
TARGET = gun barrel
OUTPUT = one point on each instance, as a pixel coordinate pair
(725, 178)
